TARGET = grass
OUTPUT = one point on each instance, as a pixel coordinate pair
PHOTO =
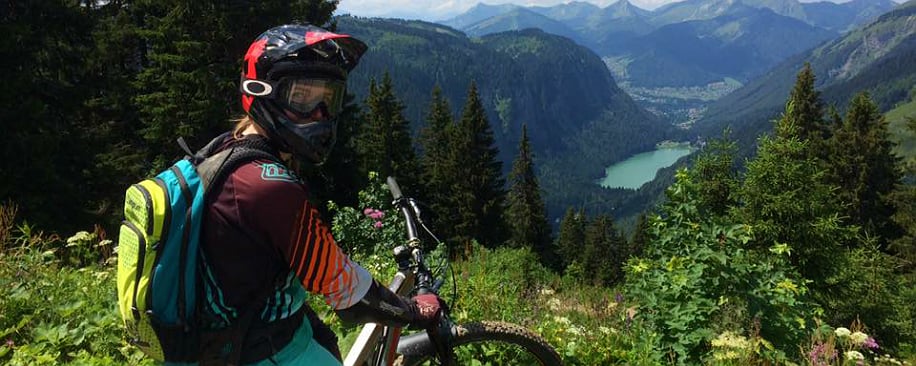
(905, 138)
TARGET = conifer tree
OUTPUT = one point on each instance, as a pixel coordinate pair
(479, 193)
(714, 171)
(43, 50)
(865, 167)
(604, 251)
(384, 144)
(525, 212)
(437, 170)
(641, 236)
(805, 110)
(788, 202)
(571, 237)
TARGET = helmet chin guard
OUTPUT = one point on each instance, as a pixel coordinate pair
(310, 141)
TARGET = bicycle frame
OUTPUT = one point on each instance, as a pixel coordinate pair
(370, 336)
(377, 344)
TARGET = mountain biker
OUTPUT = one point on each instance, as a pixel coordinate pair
(260, 228)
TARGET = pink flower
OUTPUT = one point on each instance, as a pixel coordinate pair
(378, 215)
(870, 343)
(10, 343)
(378, 225)
(368, 211)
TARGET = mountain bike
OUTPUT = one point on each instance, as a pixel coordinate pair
(481, 343)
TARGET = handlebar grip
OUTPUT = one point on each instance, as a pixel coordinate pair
(394, 188)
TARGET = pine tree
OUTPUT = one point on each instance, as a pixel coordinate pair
(641, 237)
(865, 167)
(437, 170)
(604, 251)
(571, 237)
(787, 201)
(44, 50)
(384, 144)
(479, 193)
(714, 171)
(525, 212)
(805, 110)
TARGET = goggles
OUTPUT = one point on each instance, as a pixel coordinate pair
(301, 95)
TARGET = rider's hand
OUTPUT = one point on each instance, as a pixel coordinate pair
(428, 307)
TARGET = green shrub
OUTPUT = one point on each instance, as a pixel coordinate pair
(53, 313)
(697, 282)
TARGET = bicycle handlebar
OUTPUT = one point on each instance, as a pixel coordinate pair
(408, 206)
(394, 188)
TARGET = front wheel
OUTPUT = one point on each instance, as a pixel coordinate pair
(491, 343)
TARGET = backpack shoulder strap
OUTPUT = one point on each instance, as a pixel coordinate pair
(214, 169)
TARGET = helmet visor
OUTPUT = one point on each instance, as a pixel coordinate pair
(303, 95)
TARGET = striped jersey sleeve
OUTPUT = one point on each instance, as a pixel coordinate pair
(274, 203)
(321, 264)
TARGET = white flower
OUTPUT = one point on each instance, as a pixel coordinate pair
(854, 355)
(858, 338)
(842, 332)
(576, 330)
(554, 304)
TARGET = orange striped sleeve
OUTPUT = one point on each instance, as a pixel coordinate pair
(323, 267)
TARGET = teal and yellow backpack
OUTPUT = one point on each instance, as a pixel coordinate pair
(159, 258)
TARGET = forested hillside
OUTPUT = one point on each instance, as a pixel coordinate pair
(530, 77)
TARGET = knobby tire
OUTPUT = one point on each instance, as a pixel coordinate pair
(490, 333)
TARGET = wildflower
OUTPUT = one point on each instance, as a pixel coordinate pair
(858, 338)
(731, 340)
(815, 354)
(547, 291)
(378, 224)
(842, 332)
(853, 355)
(10, 343)
(618, 298)
(605, 330)
(576, 330)
(870, 343)
(554, 304)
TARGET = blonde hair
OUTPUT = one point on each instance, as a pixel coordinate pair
(240, 125)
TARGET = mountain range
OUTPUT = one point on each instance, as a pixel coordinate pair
(879, 58)
(689, 43)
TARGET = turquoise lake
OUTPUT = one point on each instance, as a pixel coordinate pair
(639, 169)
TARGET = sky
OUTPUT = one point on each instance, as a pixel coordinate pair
(434, 10)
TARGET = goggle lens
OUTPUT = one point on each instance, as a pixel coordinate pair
(304, 95)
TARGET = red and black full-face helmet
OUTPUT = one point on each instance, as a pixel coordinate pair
(293, 73)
